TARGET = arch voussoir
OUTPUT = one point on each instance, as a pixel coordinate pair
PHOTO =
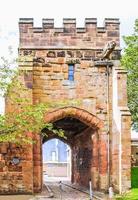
(83, 115)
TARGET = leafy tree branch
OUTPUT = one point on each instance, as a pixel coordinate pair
(130, 62)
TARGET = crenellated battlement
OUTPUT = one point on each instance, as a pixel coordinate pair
(89, 36)
(49, 22)
(68, 23)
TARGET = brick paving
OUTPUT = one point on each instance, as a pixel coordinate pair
(66, 194)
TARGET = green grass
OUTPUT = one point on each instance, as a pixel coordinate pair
(133, 195)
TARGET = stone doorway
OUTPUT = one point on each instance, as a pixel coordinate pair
(81, 134)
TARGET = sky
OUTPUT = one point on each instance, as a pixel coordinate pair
(12, 10)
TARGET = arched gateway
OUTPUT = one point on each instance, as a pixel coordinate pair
(82, 131)
(62, 64)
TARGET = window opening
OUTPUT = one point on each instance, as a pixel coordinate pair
(71, 72)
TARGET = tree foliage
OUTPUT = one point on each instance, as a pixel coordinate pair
(25, 119)
(130, 62)
(8, 70)
(19, 127)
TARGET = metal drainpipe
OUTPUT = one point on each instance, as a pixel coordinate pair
(108, 127)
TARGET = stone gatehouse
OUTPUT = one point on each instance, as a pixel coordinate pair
(64, 64)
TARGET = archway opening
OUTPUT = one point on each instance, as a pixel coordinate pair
(56, 156)
(88, 160)
(78, 136)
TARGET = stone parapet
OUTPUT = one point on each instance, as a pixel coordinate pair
(69, 35)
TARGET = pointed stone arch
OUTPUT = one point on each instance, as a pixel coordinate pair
(78, 113)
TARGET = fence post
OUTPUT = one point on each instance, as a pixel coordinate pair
(111, 193)
(60, 188)
(90, 189)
